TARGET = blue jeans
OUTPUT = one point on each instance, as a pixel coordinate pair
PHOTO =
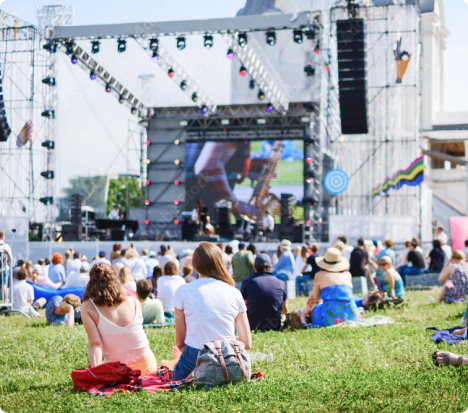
(186, 364)
(407, 270)
(301, 284)
(282, 276)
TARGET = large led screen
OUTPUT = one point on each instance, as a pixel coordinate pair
(252, 175)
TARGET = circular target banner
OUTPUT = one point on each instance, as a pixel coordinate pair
(336, 181)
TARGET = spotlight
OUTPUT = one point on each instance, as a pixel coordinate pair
(148, 143)
(230, 54)
(47, 200)
(147, 202)
(48, 114)
(95, 46)
(242, 39)
(176, 162)
(261, 95)
(155, 56)
(73, 59)
(181, 43)
(269, 108)
(48, 144)
(242, 71)
(204, 109)
(309, 160)
(183, 85)
(108, 88)
(176, 202)
(176, 221)
(327, 68)
(170, 73)
(309, 70)
(121, 99)
(317, 48)
(194, 97)
(147, 222)
(148, 161)
(309, 180)
(92, 75)
(49, 81)
(176, 142)
(208, 41)
(252, 84)
(69, 47)
(133, 110)
(121, 45)
(176, 182)
(50, 47)
(148, 182)
(297, 36)
(271, 38)
(310, 34)
(153, 44)
(48, 174)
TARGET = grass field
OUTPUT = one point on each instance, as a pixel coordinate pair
(379, 369)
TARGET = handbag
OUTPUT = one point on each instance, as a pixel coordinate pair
(222, 362)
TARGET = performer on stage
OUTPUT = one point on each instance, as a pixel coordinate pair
(115, 213)
(268, 223)
(202, 215)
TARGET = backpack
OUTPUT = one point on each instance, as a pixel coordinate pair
(222, 362)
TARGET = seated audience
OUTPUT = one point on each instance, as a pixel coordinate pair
(264, 296)
(301, 281)
(23, 294)
(252, 248)
(150, 263)
(157, 272)
(117, 267)
(455, 289)
(136, 264)
(339, 245)
(403, 254)
(331, 301)
(29, 268)
(167, 286)
(164, 256)
(447, 250)
(186, 260)
(114, 323)
(359, 262)
(465, 251)
(242, 264)
(20, 264)
(301, 254)
(348, 249)
(437, 257)
(78, 278)
(386, 252)
(128, 282)
(115, 253)
(416, 260)
(212, 316)
(122, 257)
(284, 268)
(42, 280)
(73, 265)
(393, 283)
(188, 271)
(57, 270)
(60, 311)
(68, 255)
(101, 259)
(144, 254)
(152, 309)
(44, 263)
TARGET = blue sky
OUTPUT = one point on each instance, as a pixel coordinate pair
(86, 147)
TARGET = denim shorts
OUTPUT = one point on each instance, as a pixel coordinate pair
(186, 364)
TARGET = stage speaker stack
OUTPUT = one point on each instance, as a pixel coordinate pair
(287, 220)
(5, 130)
(74, 232)
(352, 76)
(223, 224)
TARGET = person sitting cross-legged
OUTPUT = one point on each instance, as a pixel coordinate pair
(152, 309)
(284, 268)
(393, 283)
(23, 295)
(265, 296)
(416, 260)
(60, 311)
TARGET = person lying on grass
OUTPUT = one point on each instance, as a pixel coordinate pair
(60, 311)
(114, 323)
(206, 310)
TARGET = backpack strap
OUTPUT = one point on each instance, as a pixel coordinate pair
(240, 360)
(221, 361)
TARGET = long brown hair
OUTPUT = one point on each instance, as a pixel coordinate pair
(104, 286)
(208, 261)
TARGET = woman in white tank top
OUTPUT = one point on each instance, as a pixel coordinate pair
(114, 323)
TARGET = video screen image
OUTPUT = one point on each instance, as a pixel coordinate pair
(252, 175)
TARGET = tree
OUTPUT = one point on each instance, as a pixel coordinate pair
(118, 193)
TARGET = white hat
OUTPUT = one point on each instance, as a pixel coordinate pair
(37, 268)
(286, 244)
(84, 266)
(333, 261)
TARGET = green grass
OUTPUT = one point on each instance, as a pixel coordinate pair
(379, 369)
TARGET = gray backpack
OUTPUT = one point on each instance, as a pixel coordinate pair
(222, 362)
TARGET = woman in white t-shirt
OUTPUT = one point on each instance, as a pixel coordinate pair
(206, 310)
(137, 266)
(301, 254)
(167, 286)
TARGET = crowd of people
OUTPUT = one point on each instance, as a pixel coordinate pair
(211, 289)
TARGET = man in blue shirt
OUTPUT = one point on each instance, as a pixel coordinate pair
(284, 268)
(265, 296)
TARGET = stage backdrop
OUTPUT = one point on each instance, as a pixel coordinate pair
(233, 170)
(396, 228)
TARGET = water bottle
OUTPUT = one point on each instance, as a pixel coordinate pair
(261, 357)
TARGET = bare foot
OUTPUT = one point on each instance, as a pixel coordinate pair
(170, 364)
(176, 353)
(452, 358)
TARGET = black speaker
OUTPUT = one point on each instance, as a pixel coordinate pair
(72, 232)
(75, 209)
(117, 234)
(222, 217)
(352, 76)
(189, 229)
(298, 233)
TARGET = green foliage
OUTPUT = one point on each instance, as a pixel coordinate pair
(118, 190)
(379, 369)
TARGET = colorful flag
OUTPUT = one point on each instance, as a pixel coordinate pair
(25, 135)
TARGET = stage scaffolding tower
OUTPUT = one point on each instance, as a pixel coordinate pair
(393, 115)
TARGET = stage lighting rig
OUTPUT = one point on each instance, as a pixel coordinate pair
(47, 200)
(252, 84)
(95, 46)
(309, 70)
(154, 44)
(297, 36)
(155, 56)
(108, 88)
(170, 73)
(242, 39)
(269, 107)
(69, 47)
(204, 109)
(181, 43)
(194, 97)
(73, 59)
(92, 75)
(242, 71)
(310, 33)
(271, 37)
(121, 45)
(317, 47)
(50, 47)
(121, 99)
(48, 174)
(48, 144)
(48, 114)
(183, 85)
(133, 110)
(208, 41)
(49, 81)
(230, 54)
(261, 95)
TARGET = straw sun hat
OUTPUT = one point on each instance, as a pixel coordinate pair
(333, 261)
